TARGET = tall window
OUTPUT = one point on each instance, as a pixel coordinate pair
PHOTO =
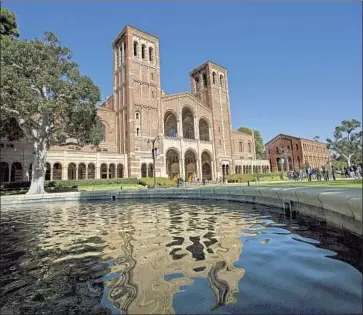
(214, 77)
(143, 51)
(221, 80)
(135, 48)
(197, 83)
(249, 147)
(137, 131)
(240, 146)
(103, 133)
(151, 54)
(204, 80)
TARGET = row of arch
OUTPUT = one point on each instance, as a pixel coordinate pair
(143, 51)
(175, 169)
(147, 171)
(171, 125)
(241, 147)
(249, 169)
(282, 149)
(204, 80)
(80, 171)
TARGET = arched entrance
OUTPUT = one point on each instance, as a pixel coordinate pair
(91, 171)
(120, 171)
(81, 171)
(16, 172)
(48, 170)
(4, 172)
(170, 125)
(172, 164)
(103, 171)
(112, 171)
(143, 170)
(72, 171)
(206, 166)
(57, 171)
(150, 170)
(190, 165)
(188, 123)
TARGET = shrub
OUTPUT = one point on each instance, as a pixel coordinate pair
(15, 185)
(252, 177)
(160, 182)
(90, 182)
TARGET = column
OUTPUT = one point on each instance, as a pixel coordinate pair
(51, 172)
(64, 172)
(180, 128)
(86, 176)
(182, 168)
(196, 127)
(76, 172)
(97, 172)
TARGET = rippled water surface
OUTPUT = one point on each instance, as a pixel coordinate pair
(174, 257)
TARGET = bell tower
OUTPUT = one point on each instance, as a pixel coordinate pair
(210, 85)
(136, 91)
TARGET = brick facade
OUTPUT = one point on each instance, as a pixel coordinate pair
(299, 153)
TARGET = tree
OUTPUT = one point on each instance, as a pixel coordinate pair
(45, 94)
(347, 142)
(316, 138)
(8, 26)
(259, 146)
(245, 130)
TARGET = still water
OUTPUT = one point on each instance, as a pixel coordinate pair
(171, 257)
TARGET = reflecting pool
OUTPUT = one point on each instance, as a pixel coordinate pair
(167, 257)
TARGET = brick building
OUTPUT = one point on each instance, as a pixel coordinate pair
(298, 152)
(194, 128)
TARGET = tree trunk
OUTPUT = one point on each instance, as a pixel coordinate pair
(38, 169)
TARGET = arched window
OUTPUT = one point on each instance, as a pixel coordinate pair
(143, 51)
(240, 146)
(137, 131)
(297, 146)
(203, 130)
(143, 170)
(277, 150)
(137, 116)
(151, 57)
(214, 77)
(197, 83)
(204, 79)
(135, 48)
(288, 148)
(282, 149)
(221, 80)
(103, 133)
(249, 147)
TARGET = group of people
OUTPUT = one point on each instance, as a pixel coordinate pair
(323, 173)
(353, 171)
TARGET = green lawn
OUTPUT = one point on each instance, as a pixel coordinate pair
(108, 187)
(355, 183)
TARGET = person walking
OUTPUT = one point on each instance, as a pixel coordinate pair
(333, 173)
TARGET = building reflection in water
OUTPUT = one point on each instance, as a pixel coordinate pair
(148, 244)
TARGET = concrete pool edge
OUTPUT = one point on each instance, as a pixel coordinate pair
(341, 207)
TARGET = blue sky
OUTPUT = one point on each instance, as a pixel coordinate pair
(293, 68)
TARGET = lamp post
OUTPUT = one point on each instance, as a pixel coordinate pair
(154, 153)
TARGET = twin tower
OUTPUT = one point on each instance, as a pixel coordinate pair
(138, 100)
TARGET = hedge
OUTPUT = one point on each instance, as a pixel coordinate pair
(91, 182)
(160, 182)
(253, 177)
